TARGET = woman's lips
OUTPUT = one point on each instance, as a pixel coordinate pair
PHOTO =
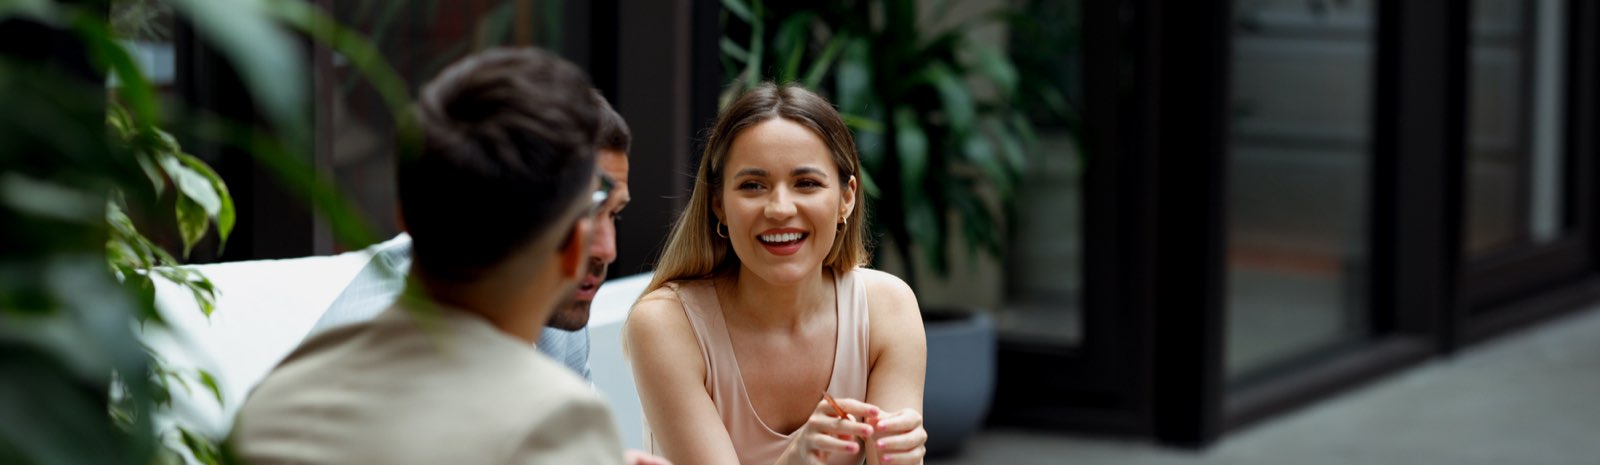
(783, 241)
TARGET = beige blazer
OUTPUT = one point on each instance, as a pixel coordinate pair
(451, 390)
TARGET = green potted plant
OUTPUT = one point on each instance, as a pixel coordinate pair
(82, 165)
(942, 142)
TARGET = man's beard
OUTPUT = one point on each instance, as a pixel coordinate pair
(572, 314)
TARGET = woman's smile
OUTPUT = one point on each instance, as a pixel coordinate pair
(783, 241)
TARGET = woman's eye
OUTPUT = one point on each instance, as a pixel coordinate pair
(808, 183)
(749, 185)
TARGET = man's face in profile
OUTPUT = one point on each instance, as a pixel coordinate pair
(574, 315)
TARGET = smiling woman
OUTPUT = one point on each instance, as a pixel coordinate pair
(735, 352)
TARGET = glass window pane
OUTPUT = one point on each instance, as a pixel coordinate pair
(1045, 257)
(1514, 142)
(1298, 179)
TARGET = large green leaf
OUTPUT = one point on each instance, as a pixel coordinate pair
(853, 79)
(979, 149)
(999, 69)
(48, 199)
(790, 43)
(38, 10)
(740, 9)
(192, 185)
(911, 144)
(193, 221)
(824, 62)
(734, 50)
(955, 97)
(268, 58)
(225, 214)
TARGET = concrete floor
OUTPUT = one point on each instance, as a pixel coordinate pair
(1528, 398)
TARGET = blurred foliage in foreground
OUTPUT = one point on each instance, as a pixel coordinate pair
(75, 161)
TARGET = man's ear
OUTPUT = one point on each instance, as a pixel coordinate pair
(400, 218)
(575, 251)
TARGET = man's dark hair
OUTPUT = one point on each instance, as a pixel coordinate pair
(507, 151)
(614, 133)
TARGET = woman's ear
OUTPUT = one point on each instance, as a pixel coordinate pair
(848, 206)
(716, 206)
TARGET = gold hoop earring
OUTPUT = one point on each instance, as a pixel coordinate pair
(722, 229)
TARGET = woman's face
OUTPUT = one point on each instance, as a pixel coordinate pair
(782, 200)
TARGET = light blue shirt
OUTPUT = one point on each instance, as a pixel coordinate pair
(377, 286)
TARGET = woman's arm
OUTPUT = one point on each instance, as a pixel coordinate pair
(899, 355)
(670, 373)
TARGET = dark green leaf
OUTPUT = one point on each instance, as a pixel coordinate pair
(861, 122)
(192, 185)
(211, 383)
(870, 187)
(134, 88)
(263, 52)
(225, 215)
(1014, 146)
(911, 144)
(47, 199)
(753, 73)
(38, 10)
(192, 222)
(819, 68)
(158, 181)
(999, 69)
(953, 94)
(790, 42)
(853, 79)
(203, 450)
(981, 152)
(733, 50)
(740, 9)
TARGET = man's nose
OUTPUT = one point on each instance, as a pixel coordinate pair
(604, 246)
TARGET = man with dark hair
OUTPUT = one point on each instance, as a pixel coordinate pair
(566, 337)
(500, 206)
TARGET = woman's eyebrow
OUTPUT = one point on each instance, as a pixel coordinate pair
(804, 170)
(758, 172)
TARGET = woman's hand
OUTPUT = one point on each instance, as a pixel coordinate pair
(825, 433)
(899, 437)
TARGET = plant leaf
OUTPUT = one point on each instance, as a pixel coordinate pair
(211, 383)
(734, 50)
(192, 222)
(225, 215)
(853, 78)
(268, 58)
(980, 151)
(739, 9)
(819, 68)
(192, 185)
(956, 99)
(911, 143)
(791, 41)
(999, 70)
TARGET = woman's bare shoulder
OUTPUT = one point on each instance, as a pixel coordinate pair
(887, 288)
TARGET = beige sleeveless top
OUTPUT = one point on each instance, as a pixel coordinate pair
(756, 443)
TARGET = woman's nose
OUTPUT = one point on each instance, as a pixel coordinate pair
(780, 206)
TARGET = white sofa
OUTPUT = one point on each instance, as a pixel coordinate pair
(265, 308)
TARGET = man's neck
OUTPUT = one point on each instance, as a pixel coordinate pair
(518, 311)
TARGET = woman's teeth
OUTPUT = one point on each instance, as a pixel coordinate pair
(785, 237)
